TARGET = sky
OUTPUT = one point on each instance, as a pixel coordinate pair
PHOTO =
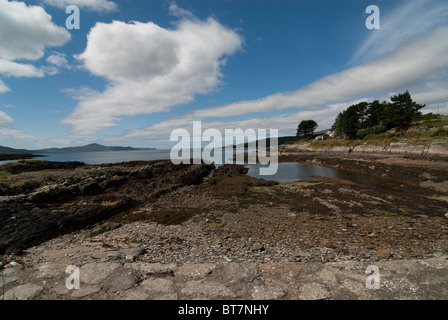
(135, 70)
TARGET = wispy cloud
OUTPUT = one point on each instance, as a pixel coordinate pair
(6, 120)
(405, 23)
(406, 66)
(157, 135)
(14, 69)
(3, 87)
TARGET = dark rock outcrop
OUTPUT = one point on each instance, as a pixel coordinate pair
(83, 195)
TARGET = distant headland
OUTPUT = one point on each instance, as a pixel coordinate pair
(7, 153)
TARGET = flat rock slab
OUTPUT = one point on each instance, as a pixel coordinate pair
(314, 291)
(268, 292)
(159, 289)
(286, 271)
(195, 271)
(120, 280)
(200, 289)
(23, 292)
(85, 291)
(239, 272)
(95, 273)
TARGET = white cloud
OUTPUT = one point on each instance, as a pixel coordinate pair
(14, 134)
(176, 11)
(59, 59)
(4, 119)
(10, 68)
(25, 32)
(150, 69)
(3, 87)
(93, 5)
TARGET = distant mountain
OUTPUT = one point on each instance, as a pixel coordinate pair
(12, 150)
(88, 148)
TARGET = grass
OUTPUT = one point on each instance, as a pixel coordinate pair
(188, 222)
(405, 210)
(384, 213)
(4, 175)
(389, 214)
(217, 223)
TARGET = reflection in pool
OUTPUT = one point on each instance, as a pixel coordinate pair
(292, 171)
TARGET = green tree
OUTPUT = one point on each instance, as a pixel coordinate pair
(351, 120)
(402, 111)
(375, 113)
(306, 128)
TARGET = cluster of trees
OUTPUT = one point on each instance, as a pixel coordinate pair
(376, 117)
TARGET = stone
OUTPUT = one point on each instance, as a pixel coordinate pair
(114, 255)
(9, 271)
(84, 291)
(239, 272)
(195, 271)
(268, 292)
(136, 251)
(136, 294)
(285, 271)
(201, 289)
(158, 268)
(119, 280)
(313, 291)
(159, 289)
(5, 280)
(257, 246)
(153, 268)
(48, 271)
(440, 255)
(23, 292)
(60, 288)
(302, 254)
(94, 273)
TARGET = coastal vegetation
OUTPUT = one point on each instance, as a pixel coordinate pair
(381, 123)
(371, 118)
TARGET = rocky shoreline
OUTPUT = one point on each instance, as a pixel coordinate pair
(152, 230)
(5, 156)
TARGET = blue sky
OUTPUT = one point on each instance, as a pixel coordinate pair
(137, 70)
